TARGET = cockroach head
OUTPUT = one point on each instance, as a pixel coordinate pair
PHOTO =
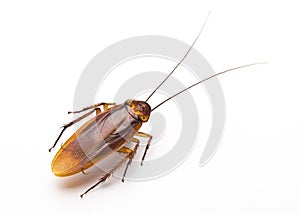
(140, 109)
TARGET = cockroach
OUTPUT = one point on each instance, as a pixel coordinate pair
(109, 131)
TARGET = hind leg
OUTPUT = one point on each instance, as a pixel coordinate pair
(129, 154)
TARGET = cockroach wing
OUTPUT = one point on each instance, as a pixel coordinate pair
(95, 140)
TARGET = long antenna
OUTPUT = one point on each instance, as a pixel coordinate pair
(243, 66)
(181, 59)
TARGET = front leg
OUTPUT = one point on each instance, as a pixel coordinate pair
(130, 153)
(145, 135)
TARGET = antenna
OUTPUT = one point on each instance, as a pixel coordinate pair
(186, 54)
(231, 69)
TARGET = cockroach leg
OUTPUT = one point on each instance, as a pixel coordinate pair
(83, 172)
(92, 187)
(131, 154)
(105, 107)
(70, 124)
(125, 150)
(98, 111)
(145, 135)
(108, 174)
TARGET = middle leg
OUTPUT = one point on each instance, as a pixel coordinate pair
(130, 153)
(145, 135)
(95, 106)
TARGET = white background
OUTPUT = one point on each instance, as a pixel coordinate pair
(45, 46)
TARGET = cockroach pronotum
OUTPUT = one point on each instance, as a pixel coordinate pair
(109, 131)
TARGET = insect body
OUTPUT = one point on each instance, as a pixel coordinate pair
(100, 136)
(108, 132)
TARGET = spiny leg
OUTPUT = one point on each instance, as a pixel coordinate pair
(70, 124)
(92, 187)
(130, 155)
(145, 135)
(125, 150)
(97, 109)
(105, 107)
